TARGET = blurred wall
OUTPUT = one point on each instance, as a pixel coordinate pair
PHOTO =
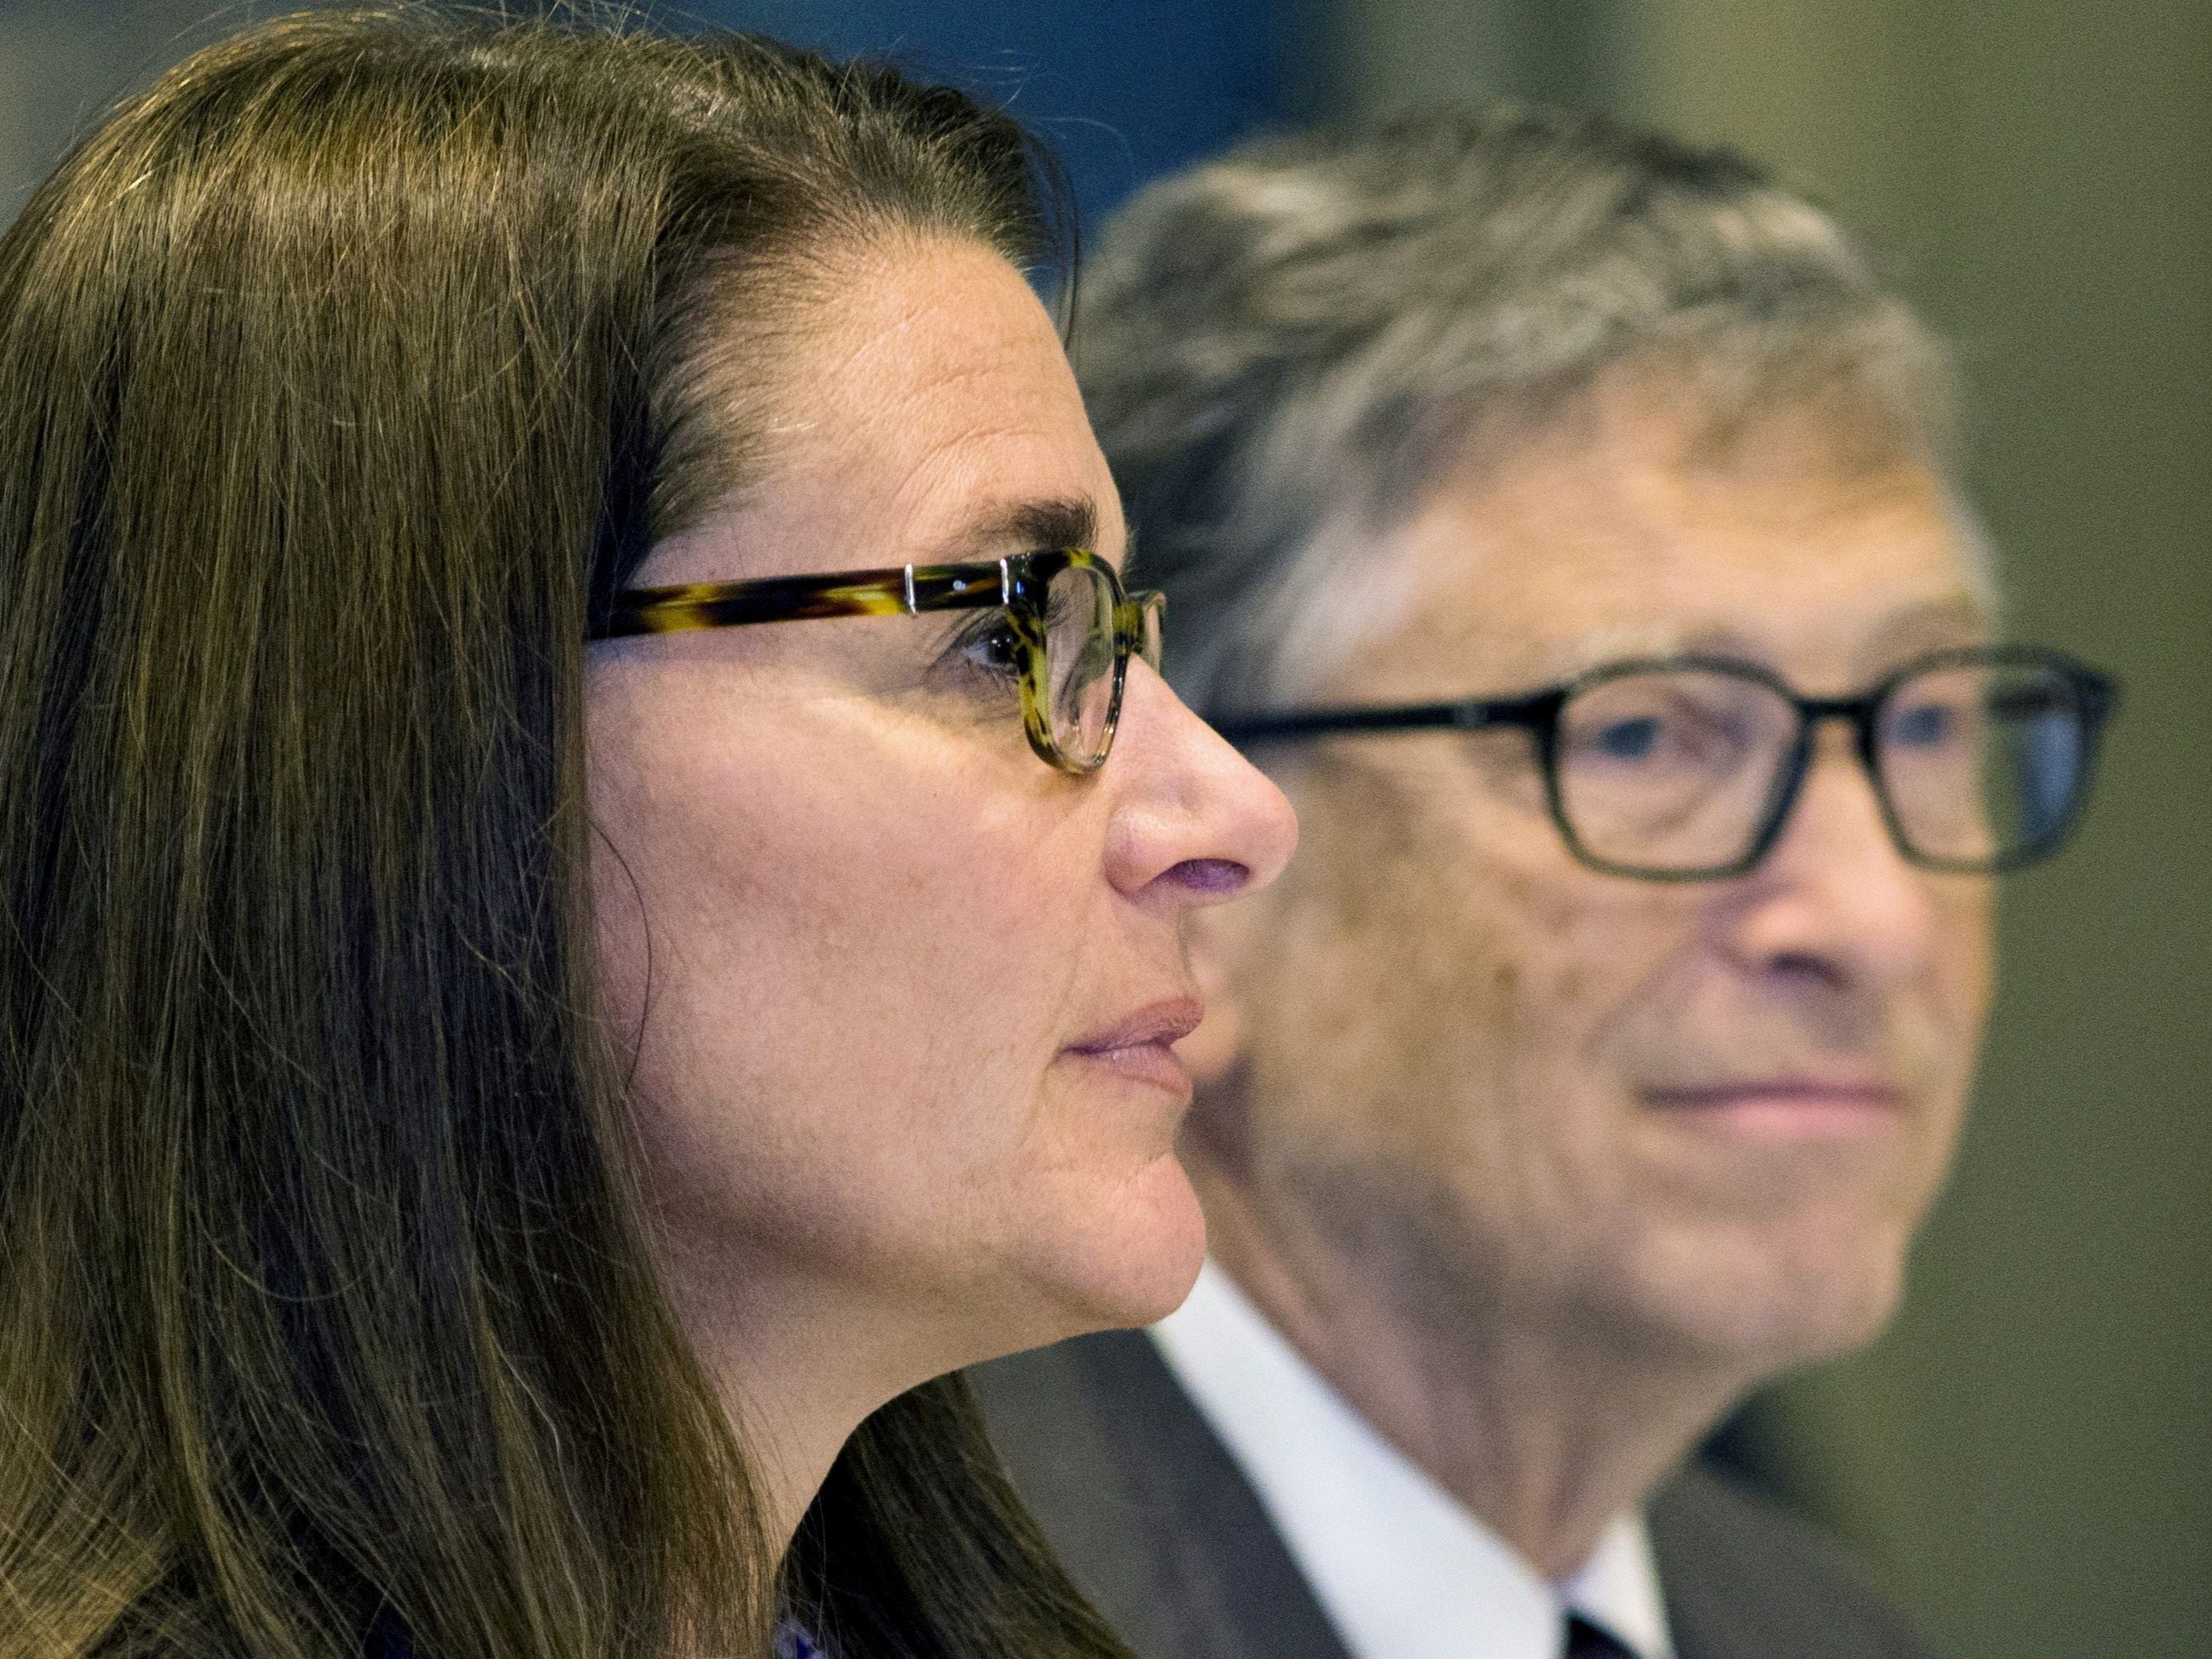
(60, 61)
(2027, 1461)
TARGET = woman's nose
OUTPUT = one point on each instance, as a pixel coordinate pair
(1194, 823)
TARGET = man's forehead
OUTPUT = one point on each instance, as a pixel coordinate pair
(1873, 639)
(1506, 589)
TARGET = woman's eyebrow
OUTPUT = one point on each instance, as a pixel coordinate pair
(1033, 526)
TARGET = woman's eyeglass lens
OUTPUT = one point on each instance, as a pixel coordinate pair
(1981, 761)
(1079, 665)
(1090, 631)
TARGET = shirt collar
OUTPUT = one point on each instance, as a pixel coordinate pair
(1403, 1569)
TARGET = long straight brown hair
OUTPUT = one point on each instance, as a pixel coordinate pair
(340, 375)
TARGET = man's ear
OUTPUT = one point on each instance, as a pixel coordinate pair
(1212, 1051)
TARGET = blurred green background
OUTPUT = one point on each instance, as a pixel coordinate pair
(2026, 1463)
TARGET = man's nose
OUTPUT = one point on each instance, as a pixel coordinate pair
(1835, 896)
(1194, 822)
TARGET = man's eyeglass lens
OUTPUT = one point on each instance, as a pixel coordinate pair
(1680, 771)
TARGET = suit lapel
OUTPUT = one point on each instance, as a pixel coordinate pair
(1147, 1506)
(1744, 1580)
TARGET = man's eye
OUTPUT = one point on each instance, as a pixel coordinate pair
(1642, 739)
(1628, 739)
(1651, 741)
(1926, 726)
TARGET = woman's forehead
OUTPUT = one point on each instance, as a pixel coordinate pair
(930, 417)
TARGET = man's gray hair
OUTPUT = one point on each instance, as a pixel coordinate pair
(1282, 347)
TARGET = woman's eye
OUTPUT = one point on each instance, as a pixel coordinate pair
(985, 655)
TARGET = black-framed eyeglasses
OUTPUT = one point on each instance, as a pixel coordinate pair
(1686, 769)
(1073, 627)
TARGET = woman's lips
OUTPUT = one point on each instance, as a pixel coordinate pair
(1153, 1063)
(1141, 1045)
(1785, 1107)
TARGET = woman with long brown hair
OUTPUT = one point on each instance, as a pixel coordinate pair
(568, 936)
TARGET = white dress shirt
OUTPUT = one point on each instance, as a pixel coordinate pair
(1403, 1569)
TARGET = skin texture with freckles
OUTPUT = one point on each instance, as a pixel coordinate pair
(903, 994)
(1442, 1132)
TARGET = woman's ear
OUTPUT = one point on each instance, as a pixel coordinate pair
(1212, 1051)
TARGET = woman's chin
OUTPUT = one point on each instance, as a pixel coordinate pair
(1154, 1272)
(1133, 1264)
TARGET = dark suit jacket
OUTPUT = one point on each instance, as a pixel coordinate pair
(1151, 1512)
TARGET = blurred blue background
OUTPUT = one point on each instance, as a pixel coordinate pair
(1122, 89)
(2026, 1462)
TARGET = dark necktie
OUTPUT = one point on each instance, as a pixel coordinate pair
(1586, 1641)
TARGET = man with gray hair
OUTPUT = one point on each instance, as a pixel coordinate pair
(1566, 518)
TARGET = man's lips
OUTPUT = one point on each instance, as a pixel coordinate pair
(1785, 1106)
(1141, 1045)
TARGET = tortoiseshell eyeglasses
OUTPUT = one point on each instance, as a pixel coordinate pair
(1071, 628)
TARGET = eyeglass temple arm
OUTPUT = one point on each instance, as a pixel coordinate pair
(910, 589)
(959, 586)
(1474, 715)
